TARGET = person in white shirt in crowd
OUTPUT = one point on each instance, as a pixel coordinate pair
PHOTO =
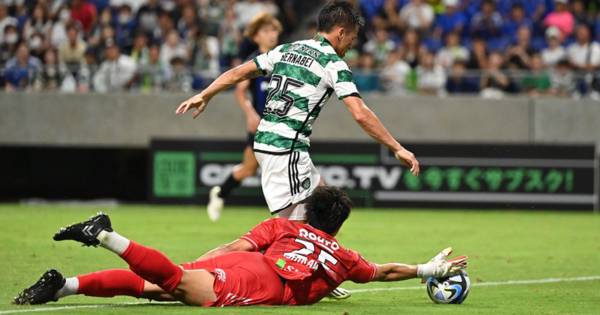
(58, 32)
(172, 47)
(431, 77)
(555, 51)
(5, 20)
(380, 46)
(116, 72)
(394, 74)
(562, 82)
(452, 51)
(417, 15)
(38, 22)
(584, 56)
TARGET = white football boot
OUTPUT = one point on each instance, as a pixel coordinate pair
(339, 294)
(215, 204)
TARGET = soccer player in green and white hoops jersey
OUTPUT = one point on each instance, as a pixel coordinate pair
(304, 74)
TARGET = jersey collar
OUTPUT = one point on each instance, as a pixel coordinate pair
(320, 38)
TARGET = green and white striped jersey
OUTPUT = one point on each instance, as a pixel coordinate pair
(304, 74)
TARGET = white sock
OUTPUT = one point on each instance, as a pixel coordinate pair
(113, 242)
(70, 288)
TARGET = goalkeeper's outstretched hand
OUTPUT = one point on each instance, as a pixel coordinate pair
(439, 266)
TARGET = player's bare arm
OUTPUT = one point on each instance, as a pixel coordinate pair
(371, 124)
(438, 266)
(198, 102)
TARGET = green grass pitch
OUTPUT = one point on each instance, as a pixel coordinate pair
(502, 245)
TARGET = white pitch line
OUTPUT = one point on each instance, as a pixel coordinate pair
(489, 284)
(72, 307)
(483, 284)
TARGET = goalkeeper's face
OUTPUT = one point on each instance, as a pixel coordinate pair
(346, 39)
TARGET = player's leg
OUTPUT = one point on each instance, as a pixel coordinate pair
(148, 263)
(218, 194)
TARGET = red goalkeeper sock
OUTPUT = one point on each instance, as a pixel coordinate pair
(112, 282)
(153, 266)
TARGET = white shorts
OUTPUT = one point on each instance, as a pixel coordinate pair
(287, 179)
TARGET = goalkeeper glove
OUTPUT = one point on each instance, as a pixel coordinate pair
(440, 267)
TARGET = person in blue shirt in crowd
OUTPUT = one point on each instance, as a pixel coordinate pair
(22, 70)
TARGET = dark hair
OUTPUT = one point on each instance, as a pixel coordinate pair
(339, 13)
(327, 208)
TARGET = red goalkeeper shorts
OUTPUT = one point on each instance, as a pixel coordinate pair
(242, 278)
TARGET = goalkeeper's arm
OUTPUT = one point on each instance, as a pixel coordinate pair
(437, 267)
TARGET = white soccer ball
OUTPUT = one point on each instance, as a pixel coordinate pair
(450, 290)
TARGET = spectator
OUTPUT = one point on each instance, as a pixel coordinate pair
(71, 52)
(58, 32)
(580, 15)
(561, 78)
(205, 57)
(37, 45)
(494, 82)
(39, 22)
(365, 76)
(53, 72)
(165, 26)
(230, 38)
(536, 82)
(431, 78)
(124, 27)
(418, 15)
(487, 23)
(85, 13)
(395, 74)
(171, 48)
(188, 21)
(22, 70)
(453, 20)
(583, 54)
(554, 52)
(140, 52)
(116, 72)
(380, 46)
(5, 20)
(519, 55)
(479, 57)
(147, 16)
(561, 18)
(9, 44)
(452, 52)
(411, 48)
(151, 74)
(458, 81)
(98, 34)
(517, 20)
(178, 77)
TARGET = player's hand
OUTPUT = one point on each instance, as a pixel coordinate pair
(197, 102)
(252, 121)
(439, 266)
(409, 159)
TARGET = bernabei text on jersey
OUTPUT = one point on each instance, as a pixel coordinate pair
(298, 60)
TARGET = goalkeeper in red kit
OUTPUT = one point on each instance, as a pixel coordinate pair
(279, 262)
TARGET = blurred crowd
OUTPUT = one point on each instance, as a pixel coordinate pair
(486, 47)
